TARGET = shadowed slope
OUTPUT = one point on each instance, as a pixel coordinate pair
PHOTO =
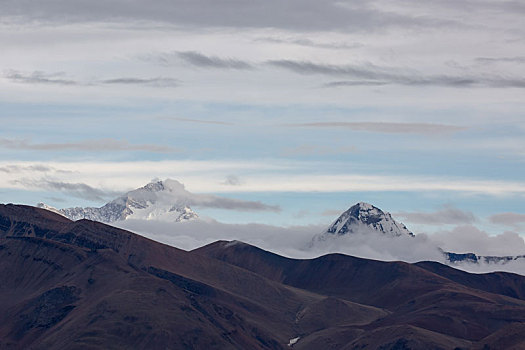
(414, 295)
(505, 283)
(88, 284)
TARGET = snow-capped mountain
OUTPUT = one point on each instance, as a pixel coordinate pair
(472, 258)
(158, 200)
(362, 217)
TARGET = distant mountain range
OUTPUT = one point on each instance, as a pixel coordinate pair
(158, 200)
(83, 284)
(162, 200)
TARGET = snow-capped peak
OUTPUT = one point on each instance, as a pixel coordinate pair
(364, 216)
(48, 207)
(159, 200)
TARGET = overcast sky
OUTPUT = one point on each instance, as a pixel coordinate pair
(417, 107)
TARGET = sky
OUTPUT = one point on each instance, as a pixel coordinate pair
(308, 107)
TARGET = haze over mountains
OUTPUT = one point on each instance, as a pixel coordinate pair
(86, 284)
(161, 210)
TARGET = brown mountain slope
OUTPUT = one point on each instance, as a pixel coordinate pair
(86, 285)
(75, 284)
(414, 295)
(505, 283)
(94, 299)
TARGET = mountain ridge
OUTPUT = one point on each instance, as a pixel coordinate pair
(85, 284)
(158, 200)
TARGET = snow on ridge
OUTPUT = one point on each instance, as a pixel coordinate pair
(158, 200)
(364, 215)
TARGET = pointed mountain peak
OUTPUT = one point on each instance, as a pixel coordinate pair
(364, 216)
(168, 185)
(364, 209)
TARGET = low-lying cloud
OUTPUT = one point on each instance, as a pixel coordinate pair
(470, 239)
(296, 242)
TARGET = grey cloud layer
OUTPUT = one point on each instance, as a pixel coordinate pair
(203, 61)
(38, 77)
(58, 78)
(352, 75)
(87, 192)
(360, 75)
(198, 59)
(383, 127)
(78, 190)
(290, 15)
(15, 169)
(100, 145)
(217, 202)
(355, 83)
(304, 67)
(516, 59)
(180, 193)
(158, 82)
(311, 43)
(508, 219)
(369, 74)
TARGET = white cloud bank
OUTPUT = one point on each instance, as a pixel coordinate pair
(296, 242)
